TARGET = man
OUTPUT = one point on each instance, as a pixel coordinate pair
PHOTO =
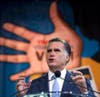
(58, 55)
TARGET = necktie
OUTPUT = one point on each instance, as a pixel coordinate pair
(55, 88)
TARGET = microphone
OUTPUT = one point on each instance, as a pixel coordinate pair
(58, 74)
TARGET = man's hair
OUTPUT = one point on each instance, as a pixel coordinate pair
(66, 45)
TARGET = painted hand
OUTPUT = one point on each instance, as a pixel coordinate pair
(35, 49)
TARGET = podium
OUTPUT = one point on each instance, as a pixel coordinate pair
(37, 95)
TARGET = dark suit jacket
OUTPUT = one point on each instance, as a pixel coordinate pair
(41, 85)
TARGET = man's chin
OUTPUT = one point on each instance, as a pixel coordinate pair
(52, 64)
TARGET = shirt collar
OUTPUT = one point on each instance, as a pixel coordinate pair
(63, 73)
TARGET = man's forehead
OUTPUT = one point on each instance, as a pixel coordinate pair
(57, 45)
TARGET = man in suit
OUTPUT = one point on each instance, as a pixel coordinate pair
(71, 84)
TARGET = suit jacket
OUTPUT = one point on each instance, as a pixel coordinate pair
(41, 85)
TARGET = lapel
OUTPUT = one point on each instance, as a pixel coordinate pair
(44, 84)
(69, 86)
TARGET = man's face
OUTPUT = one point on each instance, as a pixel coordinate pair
(56, 55)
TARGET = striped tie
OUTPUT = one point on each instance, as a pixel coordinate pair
(55, 88)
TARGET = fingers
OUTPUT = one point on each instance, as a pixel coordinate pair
(78, 76)
(77, 72)
(21, 85)
(79, 79)
(21, 81)
(29, 83)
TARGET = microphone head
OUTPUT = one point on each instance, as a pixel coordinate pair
(57, 74)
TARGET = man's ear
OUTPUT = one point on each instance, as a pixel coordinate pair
(67, 58)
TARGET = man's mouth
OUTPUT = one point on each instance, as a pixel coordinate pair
(51, 60)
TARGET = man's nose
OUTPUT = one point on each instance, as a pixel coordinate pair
(52, 55)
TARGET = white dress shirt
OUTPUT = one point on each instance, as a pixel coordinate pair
(59, 80)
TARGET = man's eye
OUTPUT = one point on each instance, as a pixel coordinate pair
(57, 50)
(49, 51)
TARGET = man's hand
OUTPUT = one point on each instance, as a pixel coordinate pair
(22, 86)
(80, 81)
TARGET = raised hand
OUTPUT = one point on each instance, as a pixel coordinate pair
(79, 79)
(22, 86)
